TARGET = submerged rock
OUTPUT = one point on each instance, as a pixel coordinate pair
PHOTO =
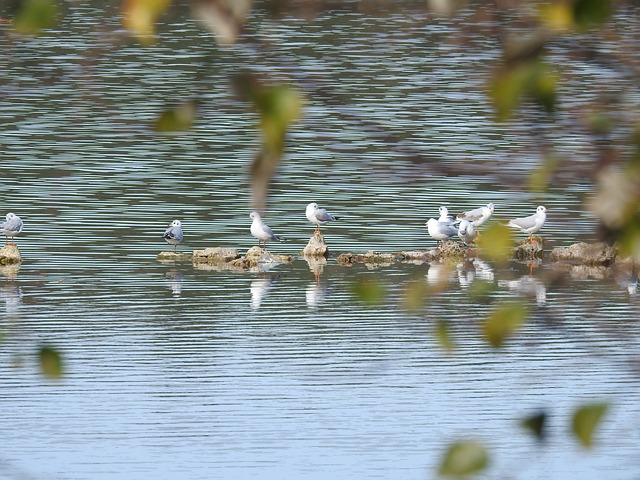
(174, 257)
(10, 254)
(256, 257)
(528, 251)
(371, 258)
(215, 255)
(316, 246)
(592, 254)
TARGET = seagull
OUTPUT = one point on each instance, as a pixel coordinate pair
(444, 215)
(318, 215)
(173, 235)
(441, 230)
(11, 227)
(530, 224)
(477, 216)
(466, 231)
(261, 231)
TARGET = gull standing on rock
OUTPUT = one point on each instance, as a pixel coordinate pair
(466, 231)
(318, 216)
(441, 230)
(173, 235)
(530, 224)
(261, 231)
(477, 216)
(11, 227)
(444, 215)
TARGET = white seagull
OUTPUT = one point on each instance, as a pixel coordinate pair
(444, 215)
(11, 227)
(530, 224)
(466, 231)
(441, 230)
(261, 231)
(173, 235)
(318, 216)
(477, 216)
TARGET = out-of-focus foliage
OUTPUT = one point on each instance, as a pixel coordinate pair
(140, 17)
(503, 322)
(369, 291)
(278, 107)
(536, 425)
(496, 242)
(33, 16)
(179, 118)
(463, 459)
(50, 362)
(585, 421)
(416, 295)
(223, 18)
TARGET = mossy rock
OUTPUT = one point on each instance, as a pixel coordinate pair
(9, 254)
(215, 255)
(369, 258)
(316, 246)
(528, 251)
(591, 254)
(171, 256)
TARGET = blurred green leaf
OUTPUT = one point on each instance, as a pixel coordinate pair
(50, 362)
(177, 119)
(533, 80)
(496, 242)
(464, 458)
(590, 13)
(536, 425)
(416, 295)
(481, 290)
(540, 176)
(369, 291)
(443, 335)
(33, 16)
(278, 108)
(503, 322)
(223, 18)
(585, 421)
(140, 17)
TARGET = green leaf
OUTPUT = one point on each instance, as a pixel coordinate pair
(35, 15)
(223, 18)
(177, 119)
(496, 242)
(140, 17)
(50, 362)
(590, 13)
(443, 335)
(585, 421)
(369, 291)
(415, 295)
(503, 322)
(533, 80)
(536, 424)
(464, 458)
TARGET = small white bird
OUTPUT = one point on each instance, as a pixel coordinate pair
(444, 215)
(530, 224)
(477, 216)
(11, 227)
(173, 235)
(466, 231)
(441, 230)
(261, 231)
(318, 216)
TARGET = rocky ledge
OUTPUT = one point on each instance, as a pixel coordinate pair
(9, 254)
(260, 258)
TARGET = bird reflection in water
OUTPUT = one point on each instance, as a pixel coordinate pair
(527, 285)
(11, 294)
(173, 280)
(472, 270)
(259, 288)
(316, 291)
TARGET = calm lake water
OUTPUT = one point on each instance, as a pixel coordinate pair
(173, 371)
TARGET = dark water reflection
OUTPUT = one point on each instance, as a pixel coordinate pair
(174, 371)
